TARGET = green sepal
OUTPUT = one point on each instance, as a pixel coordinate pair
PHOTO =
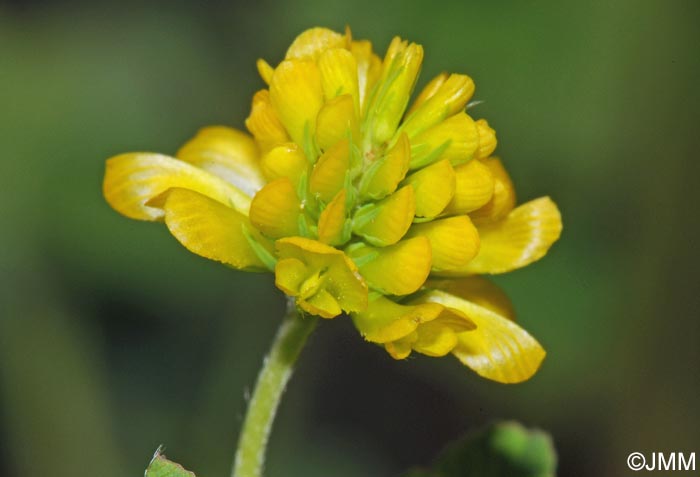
(430, 158)
(367, 179)
(347, 231)
(355, 157)
(304, 229)
(361, 254)
(364, 215)
(260, 250)
(310, 149)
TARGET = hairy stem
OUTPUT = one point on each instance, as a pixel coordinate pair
(274, 375)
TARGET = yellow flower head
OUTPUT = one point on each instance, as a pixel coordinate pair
(358, 202)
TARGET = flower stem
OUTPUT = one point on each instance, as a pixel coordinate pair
(274, 375)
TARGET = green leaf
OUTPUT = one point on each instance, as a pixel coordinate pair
(505, 449)
(162, 467)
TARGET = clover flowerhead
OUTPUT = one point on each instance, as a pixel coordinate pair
(359, 203)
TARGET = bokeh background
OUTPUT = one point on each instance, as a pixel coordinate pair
(114, 339)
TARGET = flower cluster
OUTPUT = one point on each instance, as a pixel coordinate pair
(359, 203)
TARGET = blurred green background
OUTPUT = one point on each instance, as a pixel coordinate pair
(114, 339)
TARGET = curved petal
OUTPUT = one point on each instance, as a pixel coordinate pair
(398, 269)
(454, 241)
(435, 337)
(314, 41)
(132, 179)
(285, 160)
(210, 229)
(336, 121)
(477, 290)
(322, 304)
(384, 320)
(332, 227)
(401, 348)
(497, 349)
(322, 278)
(339, 74)
(328, 175)
(264, 123)
(434, 187)
(290, 274)
(275, 210)
(385, 222)
(449, 98)
(454, 139)
(265, 70)
(297, 95)
(474, 186)
(487, 139)
(369, 67)
(383, 176)
(391, 94)
(523, 237)
(227, 153)
(428, 92)
(503, 199)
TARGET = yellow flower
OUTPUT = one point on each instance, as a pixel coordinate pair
(359, 203)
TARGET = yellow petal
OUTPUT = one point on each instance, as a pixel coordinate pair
(383, 176)
(322, 304)
(297, 95)
(398, 269)
(388, 102)
(497, 349)
(133, 179)
(265, 70)
(339, 74)
(331, 223)
(450, 98)
(454, 241)
(385, 321)
(401, 349)
(276, 208)
(503, 199)
(328, 175)
(319, 276)
(428, 92)
(477, 290)
(369, 67)
(285, 160)
(336, 121)
(435, 339)
(210, 229)
(523, 237)
(454, 139)
(290, 275)
(434, 187)
(294, 278)
(314, 41)
(452, 318)
(474, 188)
(385, 222)
(228, 153)
(263, 122)
(487, 140)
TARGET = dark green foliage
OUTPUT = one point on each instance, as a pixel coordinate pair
(504, 449)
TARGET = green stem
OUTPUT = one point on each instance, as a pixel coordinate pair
(273, 377)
